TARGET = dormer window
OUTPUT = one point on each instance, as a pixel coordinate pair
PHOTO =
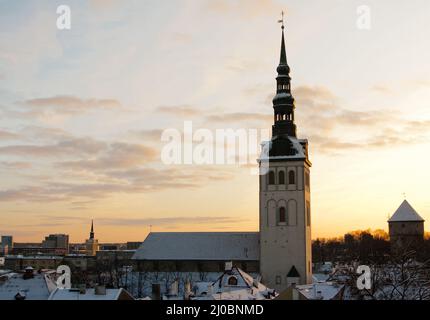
(232, 281)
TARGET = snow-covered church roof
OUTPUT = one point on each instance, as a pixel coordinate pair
(405, 213)
(234, 284)
(218, 246)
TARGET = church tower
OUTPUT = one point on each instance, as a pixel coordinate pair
(285, 202)
(92, 244)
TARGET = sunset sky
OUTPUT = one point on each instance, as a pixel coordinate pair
(82, 112)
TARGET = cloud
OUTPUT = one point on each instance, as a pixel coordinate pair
(149, 179)
(60, 105)
(182, 38)
(37, 133)
(6, 135)
(117, 155)
(135, 180)
(322, 120)
(311, 93)
(168, 221)
(55, 192)
(64, 148)
(148, 136)
(239, 116)
(71, 104)
(182, 111)
(381, 89)
(105, 4)
(245, 8)
(15, 165)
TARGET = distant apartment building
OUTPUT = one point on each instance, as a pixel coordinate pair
(6, 245)
(4, 250)
(7, 240)
(37, 250)
(56, 241)
(54, 244)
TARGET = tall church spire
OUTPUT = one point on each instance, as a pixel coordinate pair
(285, 201)
(283, 59)
(283, 102)
(92, 230)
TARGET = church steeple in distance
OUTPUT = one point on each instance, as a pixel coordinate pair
(283, 102)
(92, 230)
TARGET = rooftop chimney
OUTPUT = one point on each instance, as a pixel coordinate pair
(82, 289)
(156, 291)
(228, 266)
(187, 290)
(100, 290)
(174, 288)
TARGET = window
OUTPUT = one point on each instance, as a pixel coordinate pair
(291, 177)
(232, 281)
(281, 177)
(271, 177)
(282, 215)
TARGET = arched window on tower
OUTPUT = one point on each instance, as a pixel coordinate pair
(282, 215)
(291, 177)
(271, 177)
(281, 177)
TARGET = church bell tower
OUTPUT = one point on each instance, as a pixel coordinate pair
(285, 203)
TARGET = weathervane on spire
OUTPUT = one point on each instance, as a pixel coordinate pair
(404, 195)
(282, 20)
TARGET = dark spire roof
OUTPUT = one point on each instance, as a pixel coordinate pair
(283, 59)
(283, 102)
(283, 68)
(293, 273)
(92, 230)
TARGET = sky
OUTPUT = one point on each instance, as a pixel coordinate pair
(82, 112)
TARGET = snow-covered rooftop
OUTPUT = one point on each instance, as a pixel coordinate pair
(320, 291)
(35, 288)
(297, 145)
(405, 213)
(222, 246)
(243, 287)
(74, 294)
